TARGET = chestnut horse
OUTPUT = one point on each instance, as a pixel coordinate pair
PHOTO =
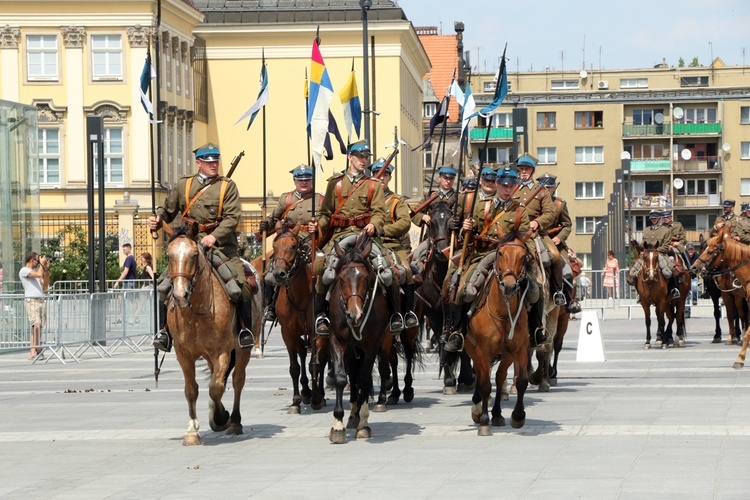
(358, 312)
(722, 249)
(293, 275)
(498, 329)
(203, 323)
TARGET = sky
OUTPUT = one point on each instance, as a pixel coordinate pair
(615, 35)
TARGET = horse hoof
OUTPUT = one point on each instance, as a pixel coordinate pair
(234, 430)
(294, 410)
(319, 405)
(306, 399)
(475, 417)
(449, 391)
(728, 342)
(379, 408)
(484, 430)
(352, 423)
(258, 354)
(543, 387)
(191, 439)
(364, 433)
(337, 437)
(517, 424)
(647, 346)
(553, 381)
(465, 388)
(409, 394)
(738, 365)
(498, 421)
(392, 400)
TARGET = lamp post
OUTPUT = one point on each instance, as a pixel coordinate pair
(366, 4)
(625, 166)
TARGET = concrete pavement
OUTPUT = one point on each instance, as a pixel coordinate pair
(667, 423)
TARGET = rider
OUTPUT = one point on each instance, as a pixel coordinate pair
(559, 232)
(541, 211)
(294, 207)
(659, 237)
(727, 217)
(741, 226)
(213, 202)
(676, 233)
(396, 237)
(502, 213)
(353, 203)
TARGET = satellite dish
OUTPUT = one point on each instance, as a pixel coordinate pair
(678, 183)
(583, 73)
(658, 118)
(686, 154)
(726, 147)
(678, 113)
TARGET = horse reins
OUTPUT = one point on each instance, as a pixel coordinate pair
(369, 297)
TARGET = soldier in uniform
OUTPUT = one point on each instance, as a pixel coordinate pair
(294, 207)
(741, 226)
(677, 234)
(559, 232)
(727, 217)
(659, 237)
(541, 210)
(396, 237)
(214, 203)
(353, 203)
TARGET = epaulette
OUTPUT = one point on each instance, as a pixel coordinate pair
(335, 176)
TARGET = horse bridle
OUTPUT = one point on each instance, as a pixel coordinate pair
(509, 272)
(192, 278)
(368, 298)
(298, 256)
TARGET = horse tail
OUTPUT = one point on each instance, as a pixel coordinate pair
(232, 362)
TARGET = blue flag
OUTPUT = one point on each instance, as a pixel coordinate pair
(501, 90)
(262, 97)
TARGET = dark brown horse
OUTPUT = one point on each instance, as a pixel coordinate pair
(722, 249)
(652, 289)
(358, 312)
(293, 275)
(498, 329)
(203, 323)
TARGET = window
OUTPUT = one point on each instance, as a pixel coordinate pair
(745, 115)
(586, 225)
(698, 115)
(589, 154)
(649, 151)
(177, 73)
(563, 84)
(41, 53)
(546, 155)
(430, 108)
(586, 258)
(179, 152)
(496, 155)
(113, 157)
(633, 83)
(497, 120)
(589, 190)
(745, 150)
(646, 116)
(49, 155)
(698, 187)
(167, 63)
(589, 119)
(490, 86)
(106, 57)
(694, 81)
(745, 187)
(545, 120)
(186, 66)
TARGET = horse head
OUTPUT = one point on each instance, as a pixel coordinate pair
(711, 249)
(439, 234)
(287, 253)
(512, 261)
(650, 271)
(354, 279)
(183, 254)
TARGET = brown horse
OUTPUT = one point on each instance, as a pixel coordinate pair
(652, 289)
(358, 312)
(203, 323)
(293, 275)
(498, 329)
(722, 249)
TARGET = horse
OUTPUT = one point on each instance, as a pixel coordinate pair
(722, 249)
(555, 325)
(358, 314)
(498, 330)
(203, 323)
(430, 295)
(293, 274)
(652, 288)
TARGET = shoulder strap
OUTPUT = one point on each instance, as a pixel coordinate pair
(517, 223)
(224, 184)
(342, 201)
(532, 195)
(393, 207)
(189, 202)
(289, 206)
(494, 221)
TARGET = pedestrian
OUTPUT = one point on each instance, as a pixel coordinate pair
(34, 277)
(129, 269)
(611, 275)
(692, 256)
(147, 273)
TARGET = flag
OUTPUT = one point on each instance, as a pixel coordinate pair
(501, 90)
(333, 128)
(352, 107)
(437, 119)
(467, 109)
(321, 93)
(262, 97)
(148, 74)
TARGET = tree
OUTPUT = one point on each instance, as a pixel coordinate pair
(694, 63)
(70, 255)
(681, 63)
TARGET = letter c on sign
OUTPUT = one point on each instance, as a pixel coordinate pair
(588, 328)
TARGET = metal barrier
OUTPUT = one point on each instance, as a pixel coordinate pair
(77, 322)
(82, 286)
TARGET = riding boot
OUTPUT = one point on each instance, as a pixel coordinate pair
(455, 342)
(246, 338)
(270, 293)
(396, 321)
(537, 336)
(674, 283)
(321, 315)
(557, 284)
(162, 339)
(574, 306)
(410, 319)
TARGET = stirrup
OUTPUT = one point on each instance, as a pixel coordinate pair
(411, 320)
(538, 337)
(162, 341)
(269, 315)
(246, 339)
(397, 323)
(574, 307)
(559, 299)
(321, 326)
(675, 293)
(455, 342)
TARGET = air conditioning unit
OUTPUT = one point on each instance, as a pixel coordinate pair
(603, 85)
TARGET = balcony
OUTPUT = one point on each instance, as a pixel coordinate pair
(651, 201)
(665, 129)
(696, 128)
(706, 164)
(653, 130)
(496, 133)
(649, 165)
(699, 201)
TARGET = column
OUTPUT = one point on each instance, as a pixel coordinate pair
(11, 81)
(75, 130)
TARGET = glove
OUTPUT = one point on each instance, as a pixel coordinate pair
(454, 224)
(264, 225)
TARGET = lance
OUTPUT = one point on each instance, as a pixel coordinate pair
(154, 234)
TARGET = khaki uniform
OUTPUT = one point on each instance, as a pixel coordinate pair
(540, 208)
(365, 205)
(660, 237)
(729, 220)
(677, 234)
(741, 228)
(562, 225)
(396, 229)
(294, 208)
(448, 197)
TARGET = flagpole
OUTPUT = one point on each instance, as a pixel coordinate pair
(152, 119)
(263, 215)
(307, 110)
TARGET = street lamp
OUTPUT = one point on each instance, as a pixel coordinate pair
(625, 166)
(366, 4)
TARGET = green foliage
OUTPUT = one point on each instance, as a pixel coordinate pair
(694, 63)
(681, 63)
(70, 255)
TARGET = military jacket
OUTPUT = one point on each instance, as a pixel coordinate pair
(486, 211)
(741, 229)
(356, 204)
(540, 208)
(729, 220)
(658, 236)
(397, 223)
(295, 209)
(677, 232)
(448, 197)
(562, 219)
(205, 210)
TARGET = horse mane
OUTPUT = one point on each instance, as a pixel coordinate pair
(353, 254)
(510, 236)
(735, 250)
(180, 231)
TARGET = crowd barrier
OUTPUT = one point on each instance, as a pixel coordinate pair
(79, 322)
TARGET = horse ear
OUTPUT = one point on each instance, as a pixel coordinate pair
(701, 239)
(365, 252)
(193, 229)
(338, 249)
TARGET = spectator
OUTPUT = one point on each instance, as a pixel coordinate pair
(611, 275)
(34, 277)
(129, 269)
(147, 273)
(692, 256)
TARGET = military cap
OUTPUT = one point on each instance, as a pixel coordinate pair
(488, 173)
(728, 203)
(207, 152)
(666, 213)
(745, 206)
(654, 214)
(526, 160)
(379, 164)
(548, 180)
(359, 148)
(302, 172)
(689, 246)
(507, 176)
(469, 184)
(447, 171)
